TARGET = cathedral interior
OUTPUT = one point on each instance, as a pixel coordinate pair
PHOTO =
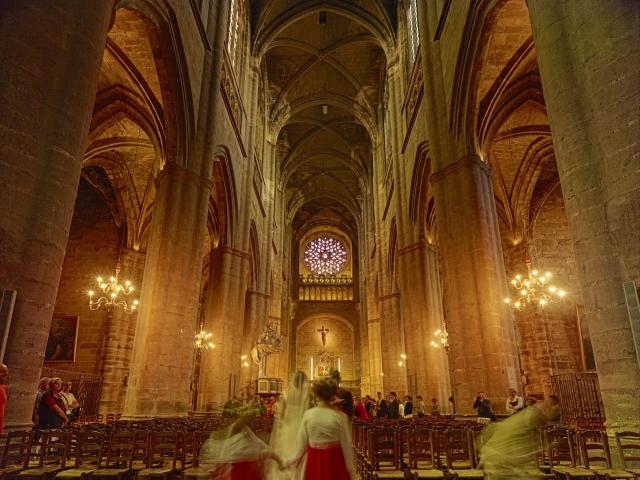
(433, 197)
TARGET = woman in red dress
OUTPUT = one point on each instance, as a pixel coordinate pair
(238, 454)
(325, 438)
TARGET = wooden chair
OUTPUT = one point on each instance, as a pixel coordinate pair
(422, 459)
(15, 455)
(119, 456)
(88, 456)
(52, 457)
(163, 456)
(562, 454)
(141, 450)
(596, 456)
(459, 455)
(629, 448)
(195, 471)
(384, 454)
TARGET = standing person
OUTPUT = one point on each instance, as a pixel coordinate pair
(553, 412)
(4, 375)
(421, 408)
(271, 406)
(368, 404)
(238, 454)
(325, 439)
(382, 407)
(360, 410)
(288, 417)
(483, 406)
(344, 399)
(408, 406)
(51, 412)
(435, 408)
(43, 386)
(71, 404)
(514, 402)
(394, 406)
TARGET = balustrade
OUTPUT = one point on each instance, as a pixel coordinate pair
(325, 288)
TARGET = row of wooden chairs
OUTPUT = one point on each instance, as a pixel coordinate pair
(572, 454)
(431, 451)
(120, 454)
(415, 451)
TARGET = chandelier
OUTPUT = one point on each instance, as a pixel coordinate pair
(113, 294)
(442, 339)
(202, 340)
(325, 256)
(534, 289)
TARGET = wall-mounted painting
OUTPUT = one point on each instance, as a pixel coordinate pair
(61, 346)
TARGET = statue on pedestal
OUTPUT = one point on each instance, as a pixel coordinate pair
(269, 342)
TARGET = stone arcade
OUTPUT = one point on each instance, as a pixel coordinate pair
(428, 148)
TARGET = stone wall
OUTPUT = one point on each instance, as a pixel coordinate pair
(92, 250)
(339, 343)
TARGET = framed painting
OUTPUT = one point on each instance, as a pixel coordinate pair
(63, 336)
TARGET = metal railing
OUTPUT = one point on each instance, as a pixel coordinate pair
(325, 288)
(579, 395)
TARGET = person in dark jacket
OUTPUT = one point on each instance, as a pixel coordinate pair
(408, 406)
(394, 406)
(343, 397)
(483, 406)
(382, 407)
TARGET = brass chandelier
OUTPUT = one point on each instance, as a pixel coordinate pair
(113, 294)
(534, 289)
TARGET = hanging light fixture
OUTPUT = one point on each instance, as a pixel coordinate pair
(202, 340)
(534, 289)
(113, 294)
(442, 339)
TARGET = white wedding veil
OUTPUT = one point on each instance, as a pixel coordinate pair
(288, 417)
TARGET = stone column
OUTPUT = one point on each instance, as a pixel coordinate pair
(159, 381)
(255, 319)
(421, 318)
(589, 64)
(50, 54)
(392, 338)
(118, 341)
(439, 379)
(223, 318)
(481, 338)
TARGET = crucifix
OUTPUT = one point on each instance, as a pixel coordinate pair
(323, 331)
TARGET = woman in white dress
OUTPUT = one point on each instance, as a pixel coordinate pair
(324, 439)
(288, 417)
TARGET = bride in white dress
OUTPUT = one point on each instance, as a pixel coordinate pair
(288, 417)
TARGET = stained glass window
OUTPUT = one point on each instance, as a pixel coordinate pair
(325, 255)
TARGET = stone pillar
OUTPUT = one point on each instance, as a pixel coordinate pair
(589, 65)
(220, 374)
(50, 54)
(255, 319)
(159, 381)
(392, 339)
(421, 318)
(481, 337)
(439, 379)
(118, 340)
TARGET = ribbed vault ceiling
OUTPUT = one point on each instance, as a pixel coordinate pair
(324, 62)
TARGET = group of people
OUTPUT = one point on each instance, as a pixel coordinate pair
(514, 403)
(394, 407)
(55, 404)
(310, 439)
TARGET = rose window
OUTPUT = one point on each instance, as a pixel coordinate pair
(325, 256)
